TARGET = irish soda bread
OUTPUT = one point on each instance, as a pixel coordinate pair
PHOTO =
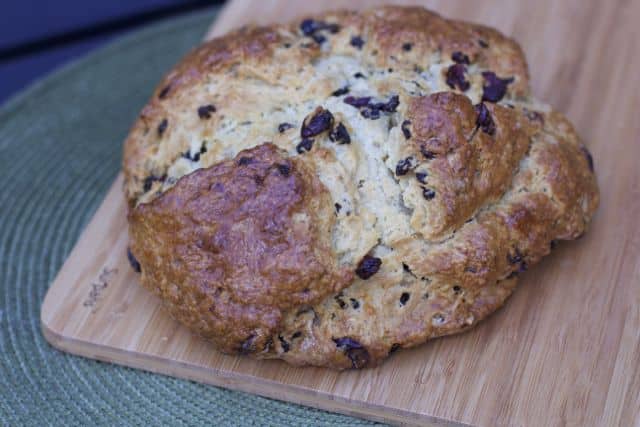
(330, 191)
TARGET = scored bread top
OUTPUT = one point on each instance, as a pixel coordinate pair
(421, 178)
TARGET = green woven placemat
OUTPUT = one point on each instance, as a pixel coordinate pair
(60, 147)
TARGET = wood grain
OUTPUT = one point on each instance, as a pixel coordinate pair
(565, 350)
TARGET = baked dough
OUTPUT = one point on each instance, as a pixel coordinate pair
(329, 191)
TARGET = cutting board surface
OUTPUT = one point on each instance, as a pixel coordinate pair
(564, 350)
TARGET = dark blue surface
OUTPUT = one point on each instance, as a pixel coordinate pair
(27, 20)
(37, 36)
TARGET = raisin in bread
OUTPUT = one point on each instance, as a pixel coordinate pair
(329, 191)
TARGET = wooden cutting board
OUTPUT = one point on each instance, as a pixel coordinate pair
(565, 349)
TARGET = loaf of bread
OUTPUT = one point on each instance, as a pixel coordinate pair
(332, 190)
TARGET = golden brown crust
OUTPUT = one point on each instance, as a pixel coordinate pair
(423, 179)
(467, 165)
(229, 248)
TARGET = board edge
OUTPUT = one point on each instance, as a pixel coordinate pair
(250, 384)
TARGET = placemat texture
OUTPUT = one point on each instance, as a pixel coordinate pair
(60, 148)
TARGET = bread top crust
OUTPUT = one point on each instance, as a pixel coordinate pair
(423, 179)
(260, 53)
(235, 245)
